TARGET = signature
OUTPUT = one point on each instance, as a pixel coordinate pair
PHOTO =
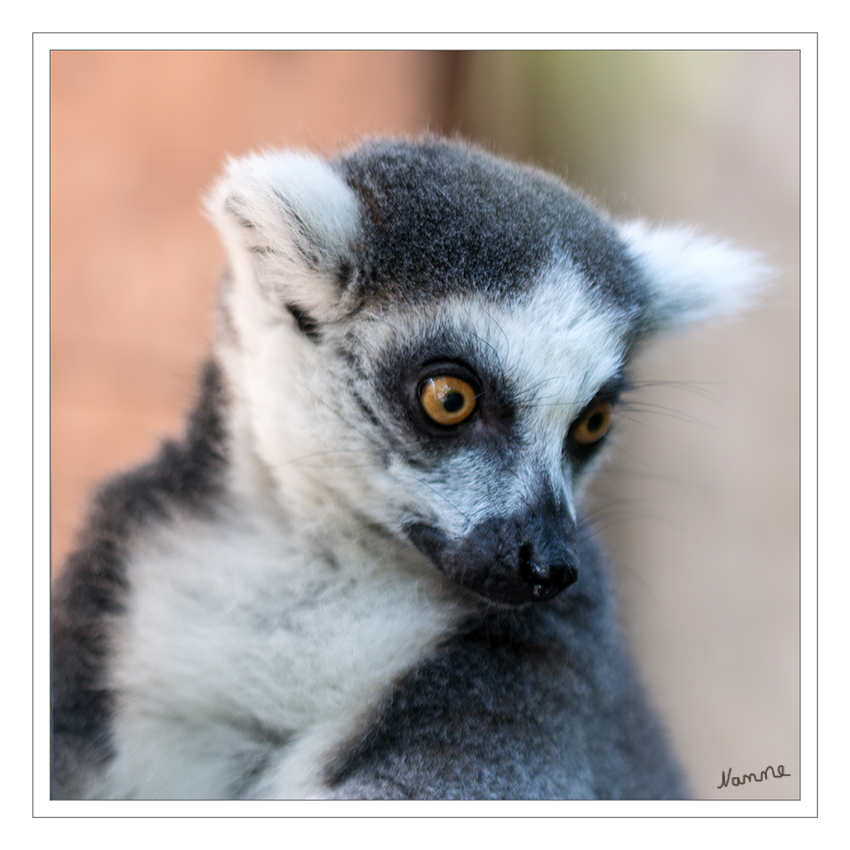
(726, 777)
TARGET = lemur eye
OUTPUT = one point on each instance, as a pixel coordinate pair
(447, 400)
(593, 424)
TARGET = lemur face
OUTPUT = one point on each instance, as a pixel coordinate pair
(484, 431)
(431, 342)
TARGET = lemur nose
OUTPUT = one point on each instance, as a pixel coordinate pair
(546, 580)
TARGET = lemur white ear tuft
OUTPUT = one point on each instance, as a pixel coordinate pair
(288, 221)
(693, 277)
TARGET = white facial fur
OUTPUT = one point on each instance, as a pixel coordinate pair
(328, 463)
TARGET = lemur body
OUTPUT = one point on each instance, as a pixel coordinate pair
(348, 580)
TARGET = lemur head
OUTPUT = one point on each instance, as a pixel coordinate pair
(430, 341)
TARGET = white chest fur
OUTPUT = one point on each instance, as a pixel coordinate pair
(242, 663)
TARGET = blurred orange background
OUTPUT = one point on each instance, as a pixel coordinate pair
(707, 544)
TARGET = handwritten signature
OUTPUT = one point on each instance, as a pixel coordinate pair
(727, 778)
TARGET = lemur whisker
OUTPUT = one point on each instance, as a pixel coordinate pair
(662, 410)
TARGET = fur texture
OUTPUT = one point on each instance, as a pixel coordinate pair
(325, 592)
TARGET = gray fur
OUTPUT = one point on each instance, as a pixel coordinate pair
(435, 212)
(322, 592)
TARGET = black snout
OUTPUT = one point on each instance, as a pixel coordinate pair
(527, 558)
(546, 580)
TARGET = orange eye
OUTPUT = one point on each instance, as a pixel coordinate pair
(447, 400)
(594, 424)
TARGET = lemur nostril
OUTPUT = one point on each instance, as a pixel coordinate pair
(525, 567)
(551, 576)
(544, 577)
(547, 580)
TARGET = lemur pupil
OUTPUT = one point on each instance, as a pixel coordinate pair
(453, 402)
(595, 422)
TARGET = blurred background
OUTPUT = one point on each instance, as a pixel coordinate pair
(699, 503)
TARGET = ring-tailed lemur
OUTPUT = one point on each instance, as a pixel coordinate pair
(347, 581)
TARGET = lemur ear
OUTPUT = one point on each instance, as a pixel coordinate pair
(289, 222)
(693, 277)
